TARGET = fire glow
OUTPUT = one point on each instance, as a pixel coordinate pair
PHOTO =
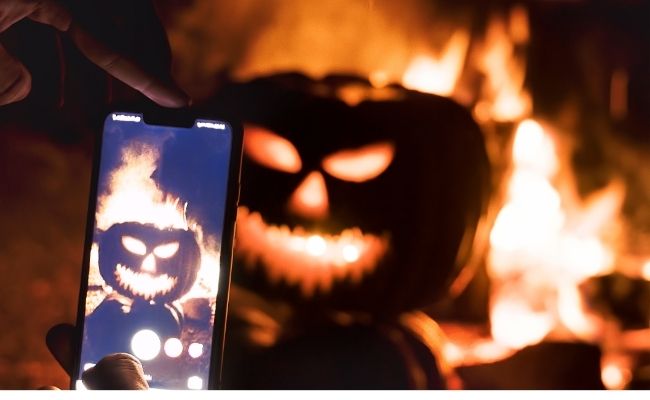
(309, 260)
(498, 57)
(544, 242)
(438, 75)
(504, 97)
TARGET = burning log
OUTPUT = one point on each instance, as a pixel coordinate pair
(546, 366)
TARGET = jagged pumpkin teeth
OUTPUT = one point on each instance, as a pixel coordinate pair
(143, 284)
(286, 252)
(164, 272)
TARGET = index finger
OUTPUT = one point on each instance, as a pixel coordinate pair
(164, 93)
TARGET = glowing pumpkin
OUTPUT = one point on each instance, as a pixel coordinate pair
(368, 206)
(140, 261)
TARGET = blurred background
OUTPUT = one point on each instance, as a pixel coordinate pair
(559, 293)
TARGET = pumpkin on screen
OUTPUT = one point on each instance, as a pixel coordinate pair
(143, 262)
(369, 204)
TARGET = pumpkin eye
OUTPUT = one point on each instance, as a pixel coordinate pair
(134, 245)
(271, 150)
(362, 164)
(166, 250)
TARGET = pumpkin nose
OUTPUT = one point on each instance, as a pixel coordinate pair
(310, 197)
(149, 264)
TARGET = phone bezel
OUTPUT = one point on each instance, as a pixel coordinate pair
(154, 115)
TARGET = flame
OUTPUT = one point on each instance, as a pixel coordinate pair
(133, 196)
(534, 150)
(478, 352)
(467, 345)
(544, 242)
(615, 371)
(516, 320)
(438, 75)
(504, 97)
(518, 24)
(575, 316)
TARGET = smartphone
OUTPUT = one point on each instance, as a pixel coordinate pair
(158, 251)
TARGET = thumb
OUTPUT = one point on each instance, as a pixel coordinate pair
(120, 371)
(60, 340)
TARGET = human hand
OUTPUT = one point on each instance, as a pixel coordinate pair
(120, 371)
(15, 79)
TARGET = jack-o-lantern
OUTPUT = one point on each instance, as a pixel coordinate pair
(140, 261)
(369, 205)
(147, 269)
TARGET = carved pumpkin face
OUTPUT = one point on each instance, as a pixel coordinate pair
(142, 261)
(356, 207)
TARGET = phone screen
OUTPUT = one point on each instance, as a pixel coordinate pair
(155, 259)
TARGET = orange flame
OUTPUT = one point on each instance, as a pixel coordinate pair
(438, 75)
(134, 196)
(515, 322)
(544, 242)
(518, 24)
(504, 98)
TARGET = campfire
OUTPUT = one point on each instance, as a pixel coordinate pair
(553, 246)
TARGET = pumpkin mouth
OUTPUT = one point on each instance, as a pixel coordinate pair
(308, 260)
(144, 284)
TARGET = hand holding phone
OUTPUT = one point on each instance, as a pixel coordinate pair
(158, 249)
(119, 371)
